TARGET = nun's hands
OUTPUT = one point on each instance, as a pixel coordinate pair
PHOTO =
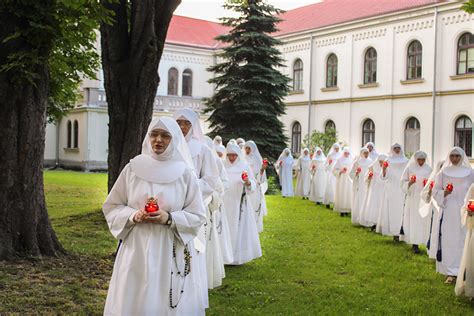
(158, 217)
(140, 216)
(247, 183)
(447, 192)
(410, 183)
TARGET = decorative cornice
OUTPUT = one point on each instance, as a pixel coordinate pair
(369, 34)
(414, 26)
(187, 59)
(290, 48)
(383, 97)
(457, 18)
(331, 41)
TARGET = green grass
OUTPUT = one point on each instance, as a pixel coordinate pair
(314, 262)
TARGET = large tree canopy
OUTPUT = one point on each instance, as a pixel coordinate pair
(131, 51)
(45, 48)
(250, 88)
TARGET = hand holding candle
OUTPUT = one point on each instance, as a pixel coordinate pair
(245, 177)
(470, 206)
(358, 171)
(413, 179)
(370, 175)
(385, 164)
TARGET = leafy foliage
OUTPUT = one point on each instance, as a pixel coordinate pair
(62, 35)
(324, 140)
(468, 6)
(249, 87)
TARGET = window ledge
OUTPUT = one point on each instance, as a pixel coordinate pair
(412, 81)
(71, 150)
(296, 92)
(463, 76)
(368, 85)
(330, 89)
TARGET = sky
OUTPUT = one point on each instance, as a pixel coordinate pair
(212, 9)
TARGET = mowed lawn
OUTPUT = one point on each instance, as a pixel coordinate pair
(314, 262)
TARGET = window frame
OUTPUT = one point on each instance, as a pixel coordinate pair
(463, 140)
(370, 66)
(368, 132)
(414, 53)
(296, 146)
(174, 87)
(187, 83)
(331, 81)
(298, 75)
(469, 46)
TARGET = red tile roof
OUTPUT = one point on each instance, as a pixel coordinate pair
(331, 12)
(201, 33)
(194, 32)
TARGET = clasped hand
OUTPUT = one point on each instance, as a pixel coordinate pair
(158, 217)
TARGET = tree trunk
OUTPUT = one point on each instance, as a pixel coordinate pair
(25, 229)
(131, 51)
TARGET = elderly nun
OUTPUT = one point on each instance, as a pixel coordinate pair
(155, 270)
(239, 209)
(451, 186)
(415, 229)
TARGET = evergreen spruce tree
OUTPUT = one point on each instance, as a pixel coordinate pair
(249, 87)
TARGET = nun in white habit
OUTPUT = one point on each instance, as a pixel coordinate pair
(214, 258)
(451, 186)
(303, 174)
(343, 194)
(319, 177)
(284, 167)
(375, 190)
(206, 171)
(430, 209)
(465, 280)
(390, 219)
(155, 271)
(333, 155)
(372, 151)
(415, 229)
(242, 224)
(257, 198)
(359, 187)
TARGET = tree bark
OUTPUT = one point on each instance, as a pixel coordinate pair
(131, 51)
(25, 229)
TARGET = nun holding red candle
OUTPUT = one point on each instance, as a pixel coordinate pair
(156, 209)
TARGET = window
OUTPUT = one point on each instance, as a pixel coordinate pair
(370, 66)
(414, 58)
(187, 83)
(331, 71)
(298, 75)
(412, 135)
(463, 134)
(296, 137)
(76, 135)
(368, 132)
(173, 81)
(69, 134)
(466, 54)
(329, 125)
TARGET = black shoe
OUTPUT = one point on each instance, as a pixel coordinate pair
(396, 238)
(328, 206)
(342, 214)
(415, 249)
(318, 203)
(373, 228)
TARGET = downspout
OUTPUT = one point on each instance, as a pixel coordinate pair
(58, 125)
(310, 94)
(433, 96)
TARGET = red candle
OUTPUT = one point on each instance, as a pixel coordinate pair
(450, 187)
(330, 161)
(281, 163)
(425, 181)
(470, 206)
(245, 176)
(151, 205)
(432, 183)
(265, 162)
(371, 174)
(359, 170)
(385, 164)
(413, 178)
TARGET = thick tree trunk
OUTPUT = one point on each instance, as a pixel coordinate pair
(131, 52)
(25, 229)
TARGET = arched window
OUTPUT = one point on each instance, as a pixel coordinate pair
(463, 134)
(414, 58)
(466, 54)
(298, 75)
(329, 125)
(370, 66)
(368, 132)
(76, 134)
(187, 83)
(412, 135)
(69, 134)
(296, 137)
(331, 71)
(173, 81)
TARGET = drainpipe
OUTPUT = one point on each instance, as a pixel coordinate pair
(433, 94)
(310, 95)
(58, 125)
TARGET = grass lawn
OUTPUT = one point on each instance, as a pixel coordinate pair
(314, 262)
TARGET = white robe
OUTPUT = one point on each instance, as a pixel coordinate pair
(416, 229)
(451, 233)
(303, 179)
(359, 189)
(465, 280)
(331, 179)
(257, 197)
(318, 181)
(140, 282)
(433, 219)
(373, 198)
(390, 217)
(286, 176)
(343, 194)
(221, 218)
(239, 211)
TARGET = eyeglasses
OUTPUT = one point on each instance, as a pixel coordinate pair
(164, 135)
(184, 123)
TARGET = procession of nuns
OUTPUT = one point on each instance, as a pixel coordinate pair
(187, 206)
(395, 196)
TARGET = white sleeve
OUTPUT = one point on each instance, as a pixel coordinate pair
(208, 174)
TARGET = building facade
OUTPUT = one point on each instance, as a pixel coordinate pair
(373, 72)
